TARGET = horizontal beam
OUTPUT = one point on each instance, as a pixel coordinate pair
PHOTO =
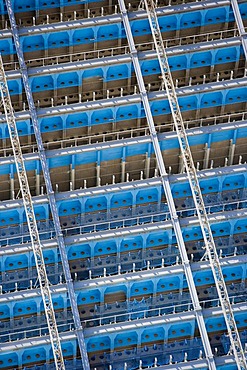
(115, 18)
(127, 142)
(120, 279)
(159, 320)
(108, 329)
(109, 60)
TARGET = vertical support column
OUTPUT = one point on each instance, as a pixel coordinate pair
(98, 181)
(231, 152)
(12, 182)
(123, 165)
(37, 178)
(72, 173)
(206, 156)
(167, 189)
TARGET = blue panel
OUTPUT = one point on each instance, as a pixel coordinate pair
(215, 324)
(180, 330)
(154, 334)
(137, 149)
(84, 36)
(102, 116)
(4, 312)
(168, 284)
(33, 355)
(77, 120)
(160, 107)
(240, 226)
(150, 67)
(181, 190)
(89, 73)
(209, 186)
(83, 158)
(117, 72)
(58, 39)
(178, 62)
(95, 204)
(122, 199)
(140, 28)
(41, 83)
(222, 135)
(24, 5)
(8, 359)
(216, 15)
(25, 308)
(221, 229)
(191, 19)
(109, 32)
(236, 96)
(142, 288)
(69, 208)
(88, 298)
(226, 55)
(168, 23)
(14, 88)
(67, 80)
(14, 263)
(5, 46)
(51, 124)
(201, 59)
(33, 43)
(111, 154)
(242, 132)
(192, 233)
(127, 112)
(98, 344)
(79, 251)
(116, 289)
(147, 196)
(104, 248)
(131, 244)
(233, 182)
(188, 103)
(211, 99)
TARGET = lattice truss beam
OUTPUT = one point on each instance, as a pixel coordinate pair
(31, 221)
(167, 190)
(49, 189)
(209, 245)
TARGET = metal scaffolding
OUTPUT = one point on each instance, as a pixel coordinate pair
(210, 248)
(31, 221)
(167, 190)
(49, 189)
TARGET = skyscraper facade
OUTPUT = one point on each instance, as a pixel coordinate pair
(123, 179)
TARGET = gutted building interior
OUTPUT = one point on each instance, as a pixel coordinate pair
(131, 283)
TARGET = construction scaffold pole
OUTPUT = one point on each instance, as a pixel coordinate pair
(31, 221)
(49, 189)
(167, 190)
(209, 245)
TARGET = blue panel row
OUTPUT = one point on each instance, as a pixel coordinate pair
(120, 200)
(21, 6)
(116, 31)
(122, 153)
(36, 354)
(123, 71)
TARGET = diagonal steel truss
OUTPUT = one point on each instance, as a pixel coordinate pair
(209, 245)
(167, 191)
(31, 220)
(50, 192)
